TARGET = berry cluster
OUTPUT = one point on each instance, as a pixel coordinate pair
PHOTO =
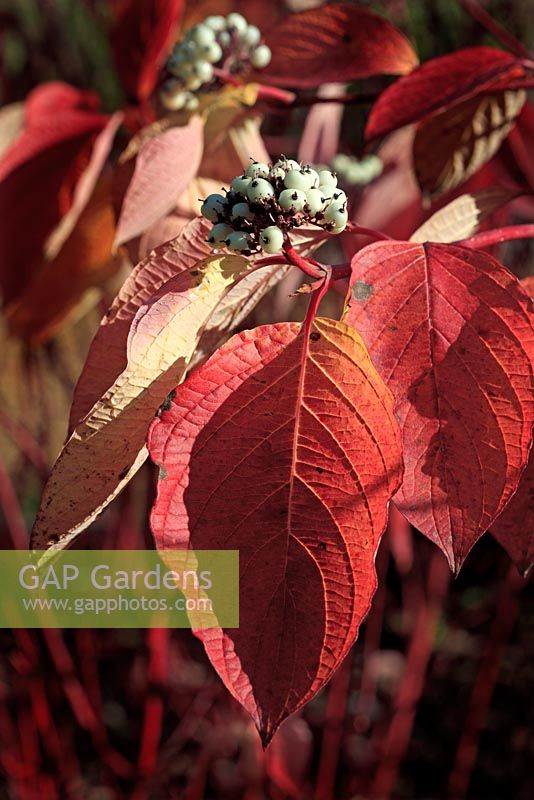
(228, 43)
(355, 172)
(268, 201)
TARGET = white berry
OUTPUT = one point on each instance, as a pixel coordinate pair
(315, 200)
(257, 170)
(202, 35)
(271, 239)
(225, 40)
(292, 200)
(172, 95)
(299, 179)
(212, 53)
(242, 211)
(260, 57)
(219, 233)
(216, 22)
(213, 205)
(277, 173)
(241, 184)
(339, 198)
(336, 217)
(326, 178)
(259, 189)
(236, 22)
(193, 83)
(251, 36)
(204, 71)
(238, 241)
(191, 103)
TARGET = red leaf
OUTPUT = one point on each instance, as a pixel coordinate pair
(335, 43)
(40, 171)
(514, 529)
(107, 356)
(285, 447)
(444, 81)
(164, 166)
(143, 32)
(450, 331)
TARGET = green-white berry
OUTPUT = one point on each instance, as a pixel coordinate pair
(225, 40)
(191, 103)
(216, 22)
(336, 217)
(202, 35)
(316, 201)
(204, 71)
(257, 170)
(259, 189)
(271, 239)
(277, 173)
(292, 200)
(251, 36)
(260, 57)
(238, 241)
(299, 179)
(242, 211)
(219, 233)
(193, 83)
(236, 22)
(241, 184)
(326, 178)
(339, 198)
(172, 95)
(213, 205)
(212, 53)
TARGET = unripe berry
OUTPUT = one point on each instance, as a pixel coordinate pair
(202, 35)
(236, 22)
(260, 57)
(238, 241)
(257, 170)
(298, 179)
(204, 71)
(241, 184)
(242, 211)
(337, 217)
(339, 198)
(271, 239)
(219, 233)
(314, 175)
(216, 22)
(213, 205)
(212, 53)
(251, 36)
(316, 201)
(326, 178)
(292, 200)
(172, 95)
(259, 189)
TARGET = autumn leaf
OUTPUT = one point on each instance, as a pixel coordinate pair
(284, 446)
(107, 447)
(450, 331)
(142, 33)
(446, 81)
(461, 218)
(451, 146)
(41, 170)
(514, 528)
(164, 166)
(335, 43)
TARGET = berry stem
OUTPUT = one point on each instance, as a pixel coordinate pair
(487, 238)
(361, 231)
(226, 77)
(313, 270)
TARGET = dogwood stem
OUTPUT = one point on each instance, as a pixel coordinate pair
(487, 238)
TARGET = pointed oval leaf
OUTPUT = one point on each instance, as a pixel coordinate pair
(450, 147)
(460, 218)
(451, 332)
(108, 445)
(334, 43)
(284, 446)
(444, 81)
(164, 166)
(514, 529)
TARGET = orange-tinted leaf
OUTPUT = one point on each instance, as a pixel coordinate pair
(445, 81)
(107, 447)
(40, 171)
(514, 529)
(164, 166)
(334, 43)
(142, 34)
(284, 446)
(84, 261)
(451, 332)
(451, 146)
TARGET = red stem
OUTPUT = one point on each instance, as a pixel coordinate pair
(495, 28)
(361, 231)
(487, 238)
(333, 731)
(310, 268)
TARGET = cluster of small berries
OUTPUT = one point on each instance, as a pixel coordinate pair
(268, 201)
(224, 42)
(355, 172)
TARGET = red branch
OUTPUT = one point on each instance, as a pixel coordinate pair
(311, 268)
(361, 231)
(487, 238)
(495, 28)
